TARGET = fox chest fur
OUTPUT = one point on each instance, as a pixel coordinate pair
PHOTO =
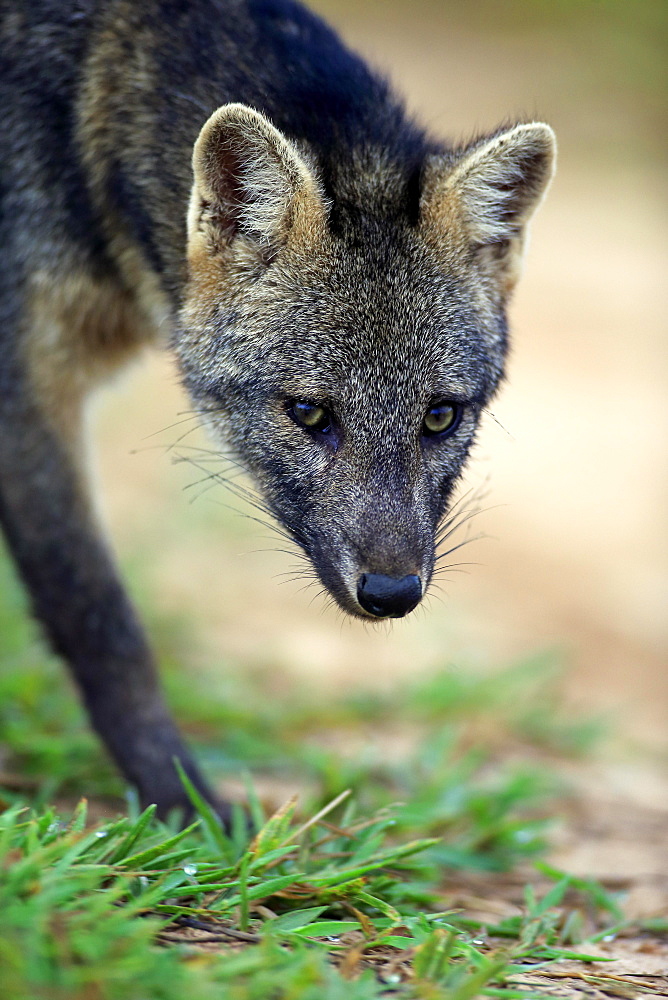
(225, 179)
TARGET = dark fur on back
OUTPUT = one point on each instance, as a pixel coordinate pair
(272, 55)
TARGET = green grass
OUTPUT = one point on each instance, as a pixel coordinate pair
(101, 911)
(339, 898)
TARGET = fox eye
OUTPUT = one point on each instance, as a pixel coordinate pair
(441, 419)
(312, 416)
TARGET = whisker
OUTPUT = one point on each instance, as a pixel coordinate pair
(177, 423)
(460, 545)
(241, 492)
(307, 586)
(294, 578)
(433, 595)
(286, 552)
(499, 424)
(452, 568)
(449, 528)
(328, 602)
(252, 499)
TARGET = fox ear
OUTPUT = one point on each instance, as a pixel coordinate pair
(250, 184)
(491, 192)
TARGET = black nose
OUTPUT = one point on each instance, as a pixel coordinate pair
(385, 597)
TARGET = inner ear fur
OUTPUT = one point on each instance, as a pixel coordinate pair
(488, 195)
(250, 181)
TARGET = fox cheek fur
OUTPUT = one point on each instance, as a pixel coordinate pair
(281, 307)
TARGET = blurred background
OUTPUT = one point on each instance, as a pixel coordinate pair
(573, 461)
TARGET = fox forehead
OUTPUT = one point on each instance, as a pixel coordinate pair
(336, 370)
(316, 336)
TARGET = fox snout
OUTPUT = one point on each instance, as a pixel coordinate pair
(384, 596)
(391, 576)
(374, 566)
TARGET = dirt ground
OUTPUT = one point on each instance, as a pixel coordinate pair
(612, 829)
(573, 455)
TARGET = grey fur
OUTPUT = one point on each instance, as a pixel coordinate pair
(336, 261)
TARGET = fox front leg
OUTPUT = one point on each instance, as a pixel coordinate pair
(74, 587)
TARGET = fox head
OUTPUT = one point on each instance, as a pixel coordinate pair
(342, 338)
